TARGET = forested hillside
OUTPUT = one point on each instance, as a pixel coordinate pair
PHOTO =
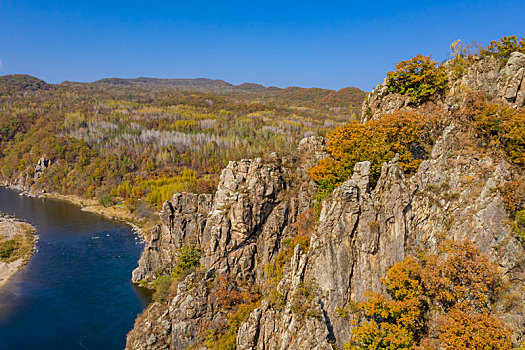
(120, 140)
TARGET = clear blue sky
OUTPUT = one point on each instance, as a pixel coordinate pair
(329, 44)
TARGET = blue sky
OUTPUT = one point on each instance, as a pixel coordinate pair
(329, 44)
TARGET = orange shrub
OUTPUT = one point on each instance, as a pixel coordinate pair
(466, 331)
(228, 294)
(376, 141)
(513, 195)
(461, 277)
(504, 127)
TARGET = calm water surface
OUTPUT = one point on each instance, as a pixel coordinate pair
(76, 292)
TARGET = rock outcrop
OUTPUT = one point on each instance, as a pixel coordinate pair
(504, 84)
(511, 85)
(42, 164)
(247, 225)
(28, 181)
(182, 222)
(253, 207)
(361, 233)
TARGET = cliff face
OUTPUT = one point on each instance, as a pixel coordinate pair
(361, 232)
(182, 222)
(248, 218)
(26, 183)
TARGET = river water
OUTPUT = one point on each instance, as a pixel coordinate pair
(76, 291)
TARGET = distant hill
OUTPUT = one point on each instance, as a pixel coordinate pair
(343, 97)
(291, 96)
(348, 95)
(19, 83)
(250, 87)
(180, 83)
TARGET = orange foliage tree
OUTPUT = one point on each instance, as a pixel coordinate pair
(461, 277)
(459, 282)
(502, 126)
(376, 141)
(462, 330)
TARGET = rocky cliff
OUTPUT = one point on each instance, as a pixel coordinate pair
(248, 229)
(26, 182)
(486, 75)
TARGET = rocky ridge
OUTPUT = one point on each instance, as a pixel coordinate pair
(27, 184)
(501, 84)
(361, 232)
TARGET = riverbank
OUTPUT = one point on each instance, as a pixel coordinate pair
(115, 212)
(17, 243)
(76, 291)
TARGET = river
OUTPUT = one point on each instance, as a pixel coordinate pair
(76, 292)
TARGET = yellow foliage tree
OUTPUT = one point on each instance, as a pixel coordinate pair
(395, 322)
(420, 77)
(503, 47)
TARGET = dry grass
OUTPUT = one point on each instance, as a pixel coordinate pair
(17, 240)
